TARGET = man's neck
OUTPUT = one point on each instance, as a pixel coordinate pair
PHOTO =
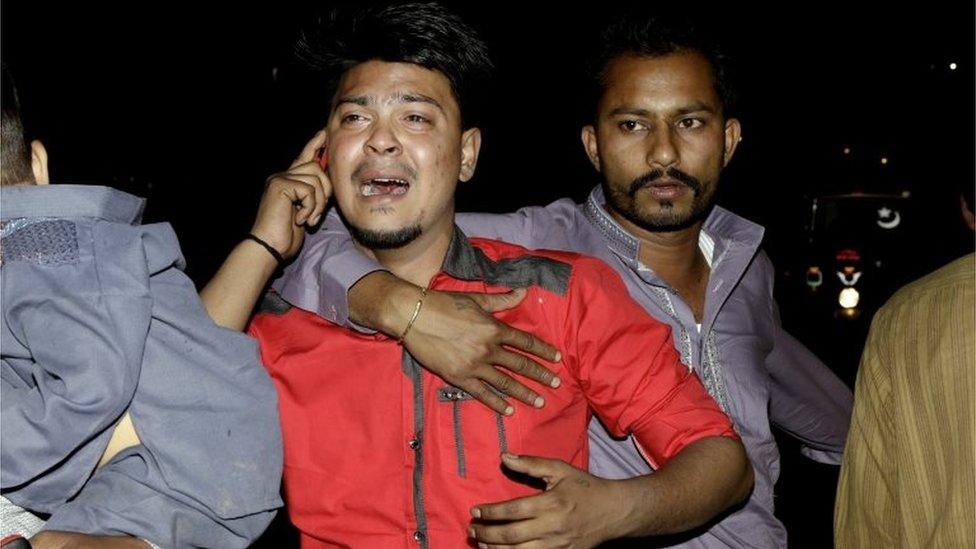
(420, 260)
(673, 255)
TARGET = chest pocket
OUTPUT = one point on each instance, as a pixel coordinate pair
(477, 431)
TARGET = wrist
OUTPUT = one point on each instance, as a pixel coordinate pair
(383, 302)
(258, 257)
(268, 247)
(635, 501)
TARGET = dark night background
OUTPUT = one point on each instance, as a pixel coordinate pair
(193, 108)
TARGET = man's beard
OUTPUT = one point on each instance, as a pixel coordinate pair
(668, 219)
(385, 240)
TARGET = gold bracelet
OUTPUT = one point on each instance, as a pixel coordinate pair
(416, 313)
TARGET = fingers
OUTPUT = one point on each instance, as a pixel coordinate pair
(528, 531)
(492, 303)
(308, 152)
(299, 190)
(323, 190)
(513, 509)
(306, 189)
(534, 544)
(524, 341)
(525, 366)
(507, 535)
(549, 470)
(509, 385)
(483, 393)
(520, 521)
(312, 173)
(523, 534)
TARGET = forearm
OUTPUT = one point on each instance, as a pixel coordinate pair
(231, 294)
(707, 477)
(383, 302)
(807, 400)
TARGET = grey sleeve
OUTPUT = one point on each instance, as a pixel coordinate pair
(330, 264)
(129, 496)
(807, 400)
(319, 279)
(73, 340)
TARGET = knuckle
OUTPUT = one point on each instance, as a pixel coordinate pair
(525, 394)
(519, 364)
(496, 331)
(540, 373)
(485, 351)
(504, 384)
(528, 365)
(481, 391)
(510, 534)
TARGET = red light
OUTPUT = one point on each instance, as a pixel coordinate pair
(848, 255)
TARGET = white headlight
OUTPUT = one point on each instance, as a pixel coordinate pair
(849, 298)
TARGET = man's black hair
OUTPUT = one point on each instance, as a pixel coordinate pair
(424, 34)
(658, 36)
(15, 156)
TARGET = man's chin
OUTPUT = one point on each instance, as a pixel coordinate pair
(664, 219)
(385, 239)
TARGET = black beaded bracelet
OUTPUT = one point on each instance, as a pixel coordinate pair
(269, 247)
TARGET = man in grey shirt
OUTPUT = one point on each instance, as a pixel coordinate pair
(663, 131)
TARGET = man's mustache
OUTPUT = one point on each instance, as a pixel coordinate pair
(672, 173)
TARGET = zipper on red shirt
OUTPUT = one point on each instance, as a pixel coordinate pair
(455, 396)
(412, 369)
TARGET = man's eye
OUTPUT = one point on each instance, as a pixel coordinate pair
(417, 119)
(352, 118)
(631, 125)
(690, 123)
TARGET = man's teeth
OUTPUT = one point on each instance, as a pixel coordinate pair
(394, 187)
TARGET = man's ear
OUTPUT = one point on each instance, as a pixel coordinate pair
(39, 163)
(588, 135)
(733, 135)
(470, 147)
(967, 213)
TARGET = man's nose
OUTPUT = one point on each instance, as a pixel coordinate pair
(663, 152)
(383, 141)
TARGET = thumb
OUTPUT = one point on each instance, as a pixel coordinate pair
(492, 303)
(549, 470)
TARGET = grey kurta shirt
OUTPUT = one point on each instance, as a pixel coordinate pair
(98, 318)
(756, 371)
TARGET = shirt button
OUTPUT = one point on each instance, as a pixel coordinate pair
(414, 444)
(418, 536)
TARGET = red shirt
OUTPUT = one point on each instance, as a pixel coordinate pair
(381, 453)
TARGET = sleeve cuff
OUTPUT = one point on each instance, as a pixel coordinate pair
(822, 456)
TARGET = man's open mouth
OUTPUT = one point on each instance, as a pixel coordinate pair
(381, 186)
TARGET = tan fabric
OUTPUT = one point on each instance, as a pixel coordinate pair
(907, 479)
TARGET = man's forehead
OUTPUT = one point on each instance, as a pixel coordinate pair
(381, 82)
(676, 81)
